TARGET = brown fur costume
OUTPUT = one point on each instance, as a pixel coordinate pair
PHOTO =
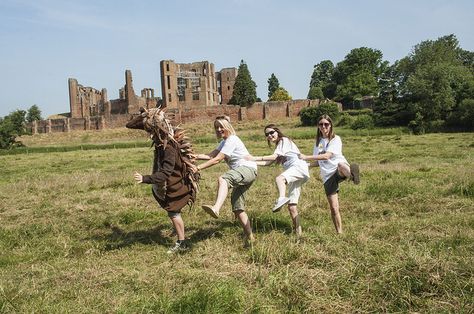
(174, 182)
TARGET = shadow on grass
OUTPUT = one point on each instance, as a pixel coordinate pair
(214, 231)
(160, 235)
(118, 238)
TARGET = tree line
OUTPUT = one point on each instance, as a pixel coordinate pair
(430, 89)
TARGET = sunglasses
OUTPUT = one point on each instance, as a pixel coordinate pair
(325, 124)
(269, 133)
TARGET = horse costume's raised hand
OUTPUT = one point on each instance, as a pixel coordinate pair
(174, 177)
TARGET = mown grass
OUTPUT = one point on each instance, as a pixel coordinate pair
(77, 235)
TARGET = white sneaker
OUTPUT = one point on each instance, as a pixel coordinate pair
(178, 248)
(279, 203)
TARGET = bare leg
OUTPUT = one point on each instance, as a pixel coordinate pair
(335, 215)
(245, 223)
(344, 170)
(281, 185)
(295, 218)
(222, 191)
(178, 225)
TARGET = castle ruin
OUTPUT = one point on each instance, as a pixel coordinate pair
(195, 84)
(192, 92)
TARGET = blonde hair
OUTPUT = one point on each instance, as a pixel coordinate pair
(224, 122)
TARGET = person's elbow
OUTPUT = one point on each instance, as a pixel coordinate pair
(214, 161)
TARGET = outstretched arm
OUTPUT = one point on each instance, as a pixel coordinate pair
(212, 161)
(315, 158)
(207, 156)
(324, 156)
(262, 160)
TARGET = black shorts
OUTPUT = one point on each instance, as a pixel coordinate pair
(331, 186)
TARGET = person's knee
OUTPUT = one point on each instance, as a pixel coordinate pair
(238, 213)
(221, 180)
(343, 169)
(334, 209)
(280, 179)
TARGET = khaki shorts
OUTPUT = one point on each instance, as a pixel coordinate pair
(239, 179)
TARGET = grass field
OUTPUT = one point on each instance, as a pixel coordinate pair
(77, 235)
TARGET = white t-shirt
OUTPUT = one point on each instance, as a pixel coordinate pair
(288, 148)
(329, 167)
(235, 151)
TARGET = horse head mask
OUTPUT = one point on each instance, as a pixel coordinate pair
(155, 123)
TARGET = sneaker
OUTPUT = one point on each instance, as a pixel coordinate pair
(355, 173)
(208, 209)
(178, 247)
(279, 203)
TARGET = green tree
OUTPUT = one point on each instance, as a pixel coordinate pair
(463, 116)
(245, 89)
(356, 86)
(273, 85)
(34, 113)
(322, 77)
(358, 75)
(315, 92)
(12, 126)
(280, 94)
(435, 78)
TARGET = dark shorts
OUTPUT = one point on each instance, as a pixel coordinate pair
(331, 186)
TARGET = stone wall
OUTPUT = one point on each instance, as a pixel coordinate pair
(274, 110)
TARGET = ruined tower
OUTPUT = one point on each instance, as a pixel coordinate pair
(190, 84)
(225, 84)
(85, 101)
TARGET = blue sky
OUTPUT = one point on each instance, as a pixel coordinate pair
(45, 42)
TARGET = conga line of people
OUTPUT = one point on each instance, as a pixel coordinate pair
(327, 154)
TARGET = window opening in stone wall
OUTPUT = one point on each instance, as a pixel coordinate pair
(169, 97)
(168, 67)
(181, 81)
(195, 96)
(168, 81)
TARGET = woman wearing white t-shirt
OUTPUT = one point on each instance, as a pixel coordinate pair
(333, 165)
(296, 172)
(240, 177)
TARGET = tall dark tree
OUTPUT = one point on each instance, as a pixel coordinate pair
(34, 113)
(245, 89)
(388, 108)
(273, 85)
(322, 78)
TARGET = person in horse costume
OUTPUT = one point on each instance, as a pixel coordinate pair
(174, 177)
